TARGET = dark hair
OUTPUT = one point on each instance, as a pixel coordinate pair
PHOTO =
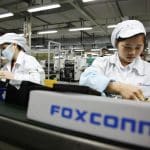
(122, 39)
(104, 49)
(6, 43)
(20, 48)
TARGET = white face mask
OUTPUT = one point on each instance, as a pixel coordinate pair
(8, 53)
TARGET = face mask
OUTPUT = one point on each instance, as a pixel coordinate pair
(8, 53)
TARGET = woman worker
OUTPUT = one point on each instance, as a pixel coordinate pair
(123, 73)
(20, 66)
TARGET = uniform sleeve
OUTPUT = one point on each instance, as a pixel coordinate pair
(94, 76)
(32, 76)
(33, 72)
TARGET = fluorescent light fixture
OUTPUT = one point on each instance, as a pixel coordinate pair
(85, 1)
(44, 7)
(39, 46)
(6, 15)
(111, 26)
(95, 49)
(80, 29)
(47, 32)
(79, 50)
(112, 49)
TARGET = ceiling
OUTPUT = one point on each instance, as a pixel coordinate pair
(73, 13)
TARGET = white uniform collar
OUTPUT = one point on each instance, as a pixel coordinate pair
(19, 60)
(137, 64)
(20, 57)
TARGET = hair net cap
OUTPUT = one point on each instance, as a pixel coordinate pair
(127, 29)
(14, 38)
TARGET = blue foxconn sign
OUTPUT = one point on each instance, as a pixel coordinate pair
(99, 119)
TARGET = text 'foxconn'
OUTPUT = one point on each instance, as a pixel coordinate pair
(101, 119)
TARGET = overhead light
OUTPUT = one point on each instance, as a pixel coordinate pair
(111, 26)
(112, 49)
(39, 46)
(47, 32)
(6, 15)
(44, 7)
(84, 1)
(95, 49)
(80, 29)
(79, 50)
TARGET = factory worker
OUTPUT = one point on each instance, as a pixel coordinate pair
(20, 66)
(123, 73)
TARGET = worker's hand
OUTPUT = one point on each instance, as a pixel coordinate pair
(6, 75)
(127, 91)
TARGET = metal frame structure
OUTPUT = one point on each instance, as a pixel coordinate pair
(57, 44)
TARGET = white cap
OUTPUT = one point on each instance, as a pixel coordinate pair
(14, 38)
(127, 29)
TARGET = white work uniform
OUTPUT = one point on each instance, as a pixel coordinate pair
(105, 69)
(26, 68)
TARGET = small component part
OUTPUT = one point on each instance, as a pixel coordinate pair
(147, 99)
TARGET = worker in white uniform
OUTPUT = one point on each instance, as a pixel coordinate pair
(123, 73)
(20, 66)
